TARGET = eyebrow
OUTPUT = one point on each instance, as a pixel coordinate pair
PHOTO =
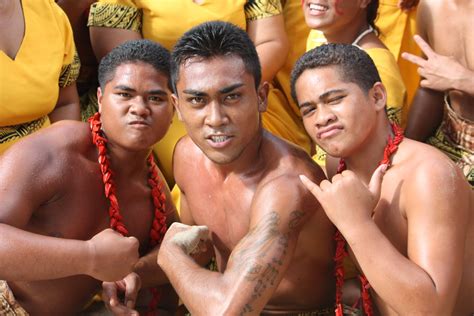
(230, 88)
(323, 96)
(223, 90)
(326, 94)
(128, 89)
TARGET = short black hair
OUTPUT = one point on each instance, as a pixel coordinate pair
(133, 51)
(215, 39)
(353, 64)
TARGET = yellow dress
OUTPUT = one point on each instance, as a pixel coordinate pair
(397, 29)
(165, 21)
(285, 119)
(29, 83)
(389, 73)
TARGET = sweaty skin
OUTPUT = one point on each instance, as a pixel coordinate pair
(273, 244)
(410, 229)
(51, 185)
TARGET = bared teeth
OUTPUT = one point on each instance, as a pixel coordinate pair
(219, 139)
(317, 7)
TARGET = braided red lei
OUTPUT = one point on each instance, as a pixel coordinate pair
(158, 227)
(341, 253)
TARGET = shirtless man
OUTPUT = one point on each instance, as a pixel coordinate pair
(447, 83)
(410, 228)
(273, 243)
(55, 245)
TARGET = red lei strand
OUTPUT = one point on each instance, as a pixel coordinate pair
(158, 227)
(341, 253)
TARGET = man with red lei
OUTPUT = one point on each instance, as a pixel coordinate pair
(403, 210)
(85, 203)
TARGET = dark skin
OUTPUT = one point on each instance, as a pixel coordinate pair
(273, 244)
(409, 228)
(55, 189)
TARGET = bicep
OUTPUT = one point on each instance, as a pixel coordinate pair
(271, 41)
(104, 39)
(19, 192)
(67, 106)
(260, 260)
(437, 228)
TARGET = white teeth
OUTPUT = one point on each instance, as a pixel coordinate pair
(219, 139)
(317, 7)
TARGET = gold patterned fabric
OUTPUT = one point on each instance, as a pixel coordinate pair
(15, 132)
(70, 72)
(455, 137)
(8, 304)
(258, 9)
(115, 16)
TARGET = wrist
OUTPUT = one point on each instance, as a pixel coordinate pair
(465, 82)
(89, 258)
(352, 229)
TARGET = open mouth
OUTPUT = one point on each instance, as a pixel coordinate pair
(219, 138)
(317, 8)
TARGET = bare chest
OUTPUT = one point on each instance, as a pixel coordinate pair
(460, 42)
(225, 211)
(80, 209)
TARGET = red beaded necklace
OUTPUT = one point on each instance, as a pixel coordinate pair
(341, 253)
(158, 227)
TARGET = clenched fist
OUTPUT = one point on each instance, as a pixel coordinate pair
(113, 256)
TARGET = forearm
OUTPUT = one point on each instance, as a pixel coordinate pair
(27, 257)
(400, 283)
(202, 291)
(425, 115)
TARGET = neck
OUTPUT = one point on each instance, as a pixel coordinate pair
(127, 164)
(249, 160)
(366, 159)
(347, 33)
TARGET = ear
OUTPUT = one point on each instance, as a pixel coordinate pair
(99, 98)
(262, 94)
(175, 102)
(365, 3)
(379, 96)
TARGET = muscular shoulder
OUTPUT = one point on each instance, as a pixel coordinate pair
(286, 196)
(185, 155)
(285, 159)
(431, 178)
(50, 145)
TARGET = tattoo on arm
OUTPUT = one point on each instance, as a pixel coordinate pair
(251, 257)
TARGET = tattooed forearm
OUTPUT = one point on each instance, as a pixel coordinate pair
(262, 253)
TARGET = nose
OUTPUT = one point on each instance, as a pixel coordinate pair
(324, 116)
(139, 107)
(216, 115)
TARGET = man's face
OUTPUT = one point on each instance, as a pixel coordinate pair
(328, 15)
(219, 106)
(337, 115)
(135, 106)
